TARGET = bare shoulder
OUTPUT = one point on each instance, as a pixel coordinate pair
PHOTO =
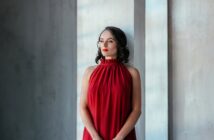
(133, 71)
(89, 70)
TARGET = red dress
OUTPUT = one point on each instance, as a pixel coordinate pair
(109, 99)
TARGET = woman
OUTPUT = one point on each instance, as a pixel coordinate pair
(110, 102)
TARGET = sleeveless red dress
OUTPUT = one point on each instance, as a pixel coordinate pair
(109, 99)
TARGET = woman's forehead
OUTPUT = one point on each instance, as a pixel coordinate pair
(106, 34)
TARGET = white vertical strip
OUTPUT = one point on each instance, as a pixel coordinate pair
(156, 92)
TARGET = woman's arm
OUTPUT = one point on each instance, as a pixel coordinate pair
(136, 105)
(83, 105)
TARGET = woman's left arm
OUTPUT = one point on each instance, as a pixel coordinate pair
(136, 105)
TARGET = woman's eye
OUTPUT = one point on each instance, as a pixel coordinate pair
(110, 41)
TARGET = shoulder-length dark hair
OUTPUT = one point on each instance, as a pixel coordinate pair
(122, 49)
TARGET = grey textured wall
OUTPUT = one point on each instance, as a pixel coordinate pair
(38, 70)
(191, 69)
(139, 59)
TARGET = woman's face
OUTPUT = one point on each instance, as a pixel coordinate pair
(108, 45)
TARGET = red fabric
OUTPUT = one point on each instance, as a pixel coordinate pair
(109, 99)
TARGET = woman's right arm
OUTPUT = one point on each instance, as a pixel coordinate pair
(83, 105)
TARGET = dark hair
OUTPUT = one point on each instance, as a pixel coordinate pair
(122, 49)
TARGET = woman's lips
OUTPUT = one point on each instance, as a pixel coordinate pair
(105, 50)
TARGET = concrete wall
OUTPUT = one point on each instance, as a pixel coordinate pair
(191, 69)
(139, 58)
(38, 64)
(37, 70)
(156, 82)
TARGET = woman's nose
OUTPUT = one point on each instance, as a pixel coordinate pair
(105, 44)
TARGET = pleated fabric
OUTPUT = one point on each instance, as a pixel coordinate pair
(109, 99)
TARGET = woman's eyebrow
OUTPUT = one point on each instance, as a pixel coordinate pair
(108, 38)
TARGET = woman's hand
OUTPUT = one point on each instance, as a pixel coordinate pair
(118, 138)
(97, 138)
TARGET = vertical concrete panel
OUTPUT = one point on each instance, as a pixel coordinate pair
(37, 70)
(139, 58)
(156, 92)
(191, 69)
(93, 16)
